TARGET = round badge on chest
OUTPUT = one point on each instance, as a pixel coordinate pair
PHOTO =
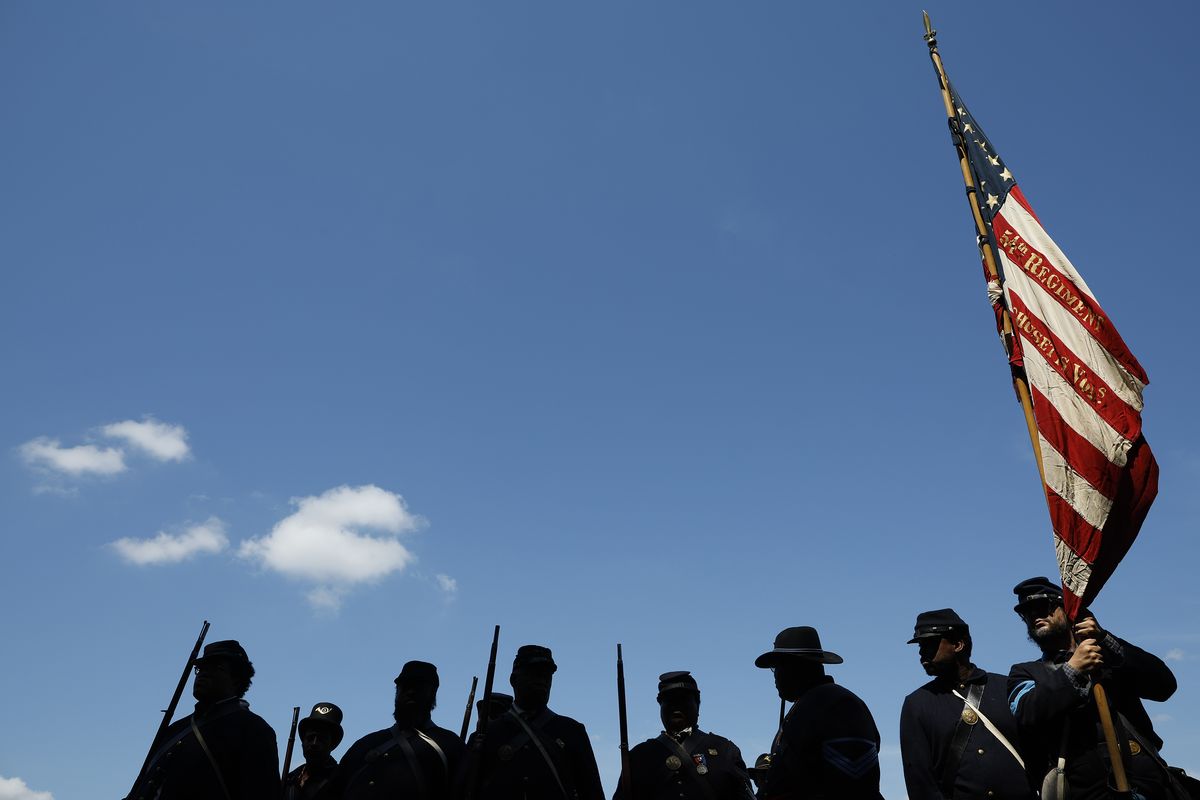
(673, 762)
(969, 716)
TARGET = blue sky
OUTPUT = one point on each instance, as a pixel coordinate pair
(658, 324)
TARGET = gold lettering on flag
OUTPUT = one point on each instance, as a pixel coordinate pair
(1034, 264)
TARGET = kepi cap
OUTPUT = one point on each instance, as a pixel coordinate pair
(936, 624)
(418, 672)
(534, 655)
(229, 649)
(1036, 589)
(325, 715)
(676, 681)
(801, 643)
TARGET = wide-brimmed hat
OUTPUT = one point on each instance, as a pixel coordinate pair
(800, 643)
(938, 624)
(325, 715)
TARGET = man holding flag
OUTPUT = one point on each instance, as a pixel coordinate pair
(1080, 388)
(1051, 700)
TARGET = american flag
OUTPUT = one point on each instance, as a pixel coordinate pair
(1086, 387)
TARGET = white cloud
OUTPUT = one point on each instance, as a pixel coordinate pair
(448, 584)
(157, 439)
(1175, 654)
(323, 542)
(16, 789)
(170, 548)
(326, 598)
(82, 459)
(1162, 718)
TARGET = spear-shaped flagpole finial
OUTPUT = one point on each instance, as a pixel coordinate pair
(930, 33)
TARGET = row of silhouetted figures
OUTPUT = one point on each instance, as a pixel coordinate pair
(1042, 730)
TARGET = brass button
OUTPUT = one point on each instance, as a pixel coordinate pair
(981, 751)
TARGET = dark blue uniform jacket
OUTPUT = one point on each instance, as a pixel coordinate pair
(515, 769)
(724, 771)
(1044, 697)
(828, 749)
(928, 722)
(242, 745)
(377, 766)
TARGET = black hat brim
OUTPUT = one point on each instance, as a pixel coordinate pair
(778, 656)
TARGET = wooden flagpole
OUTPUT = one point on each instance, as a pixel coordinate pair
(1020, 384)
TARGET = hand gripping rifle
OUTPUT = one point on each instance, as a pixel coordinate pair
(287, 758)
(470, 705)
(169, 711)
(626, 776)
(476, 762)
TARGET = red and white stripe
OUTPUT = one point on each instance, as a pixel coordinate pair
(1087, 401)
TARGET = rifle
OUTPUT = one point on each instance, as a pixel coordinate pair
(476, 763)
(470, 705)
(169, 711)
(626, 776)
(287, 758)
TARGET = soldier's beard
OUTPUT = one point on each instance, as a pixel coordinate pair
(1054, 636)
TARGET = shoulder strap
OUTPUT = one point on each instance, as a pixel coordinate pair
(212, 761)
(687, 765)
(958, 744)
(187, 731)
(973, 703)
(410, 756)
(537, 742)
(427, 739)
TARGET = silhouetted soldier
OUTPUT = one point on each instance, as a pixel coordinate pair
(500, 704)
(531, 753)
(828, 746)
(320, 734)
(684, 761)
(222, 751)
(957, 733)
(412, 759)
(1052, 701)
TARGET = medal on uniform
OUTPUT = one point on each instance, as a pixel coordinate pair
(969, 716)
(701, 764)
(506, 752)
(712, 751)
(673, 762)
(702, 770)
(1134, 748)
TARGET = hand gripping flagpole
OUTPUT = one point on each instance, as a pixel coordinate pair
(1020, 384)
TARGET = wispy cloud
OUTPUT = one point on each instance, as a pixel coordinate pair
(157, 439)
(208, 538)
(59, 491)
(324, 542)
(17, 789)
(83, 459)
(1176, 654)
(446, 583)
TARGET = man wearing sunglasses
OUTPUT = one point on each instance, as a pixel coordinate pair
(1052, 700)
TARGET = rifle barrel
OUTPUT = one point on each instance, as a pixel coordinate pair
(626, 777)
(169, 711)
(477, 759)
(287, 758)
(466, 726)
